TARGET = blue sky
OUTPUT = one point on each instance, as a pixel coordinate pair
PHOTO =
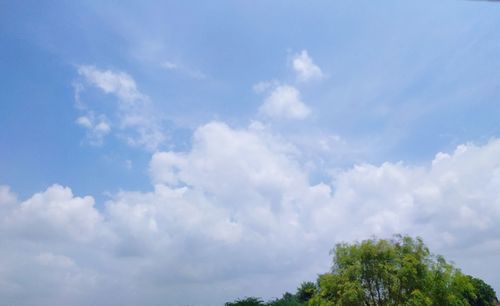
(142, 120)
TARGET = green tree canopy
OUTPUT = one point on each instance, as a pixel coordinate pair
(399, 271)
(387, 272)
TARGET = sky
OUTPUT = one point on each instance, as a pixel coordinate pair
(189, 153)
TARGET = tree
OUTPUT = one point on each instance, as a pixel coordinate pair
(288, 299)
(484, 294)
(389, 272)
(378, 272)
(400, 271)
(306, 291)
(248, 301)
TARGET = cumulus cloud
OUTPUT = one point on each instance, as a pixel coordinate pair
(305, 68)
(238, 207)
(284, 102)
(54, 214)
(134, 116)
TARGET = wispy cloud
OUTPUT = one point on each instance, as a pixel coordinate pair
(97, 127)
(113, 82)
(134, 116)
(183, 70)
(263, 86)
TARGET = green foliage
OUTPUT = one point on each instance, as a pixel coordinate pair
(306, 291)
(288, 299)
(248, 301)
(396, 272)
(446, 285)
(377, 272)
(484, 294)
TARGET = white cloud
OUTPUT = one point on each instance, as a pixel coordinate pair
(53, 214)
(118, 83)
(84, 121)
(97, 128)
(239, 208)
(6, 196)
(134, 118)
(284, 102)
(305, 68)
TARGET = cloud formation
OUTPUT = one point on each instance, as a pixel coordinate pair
(246, 194)
(118, 83)
(284, 102)
(134, 116)
(305, 68)
(97, 128)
